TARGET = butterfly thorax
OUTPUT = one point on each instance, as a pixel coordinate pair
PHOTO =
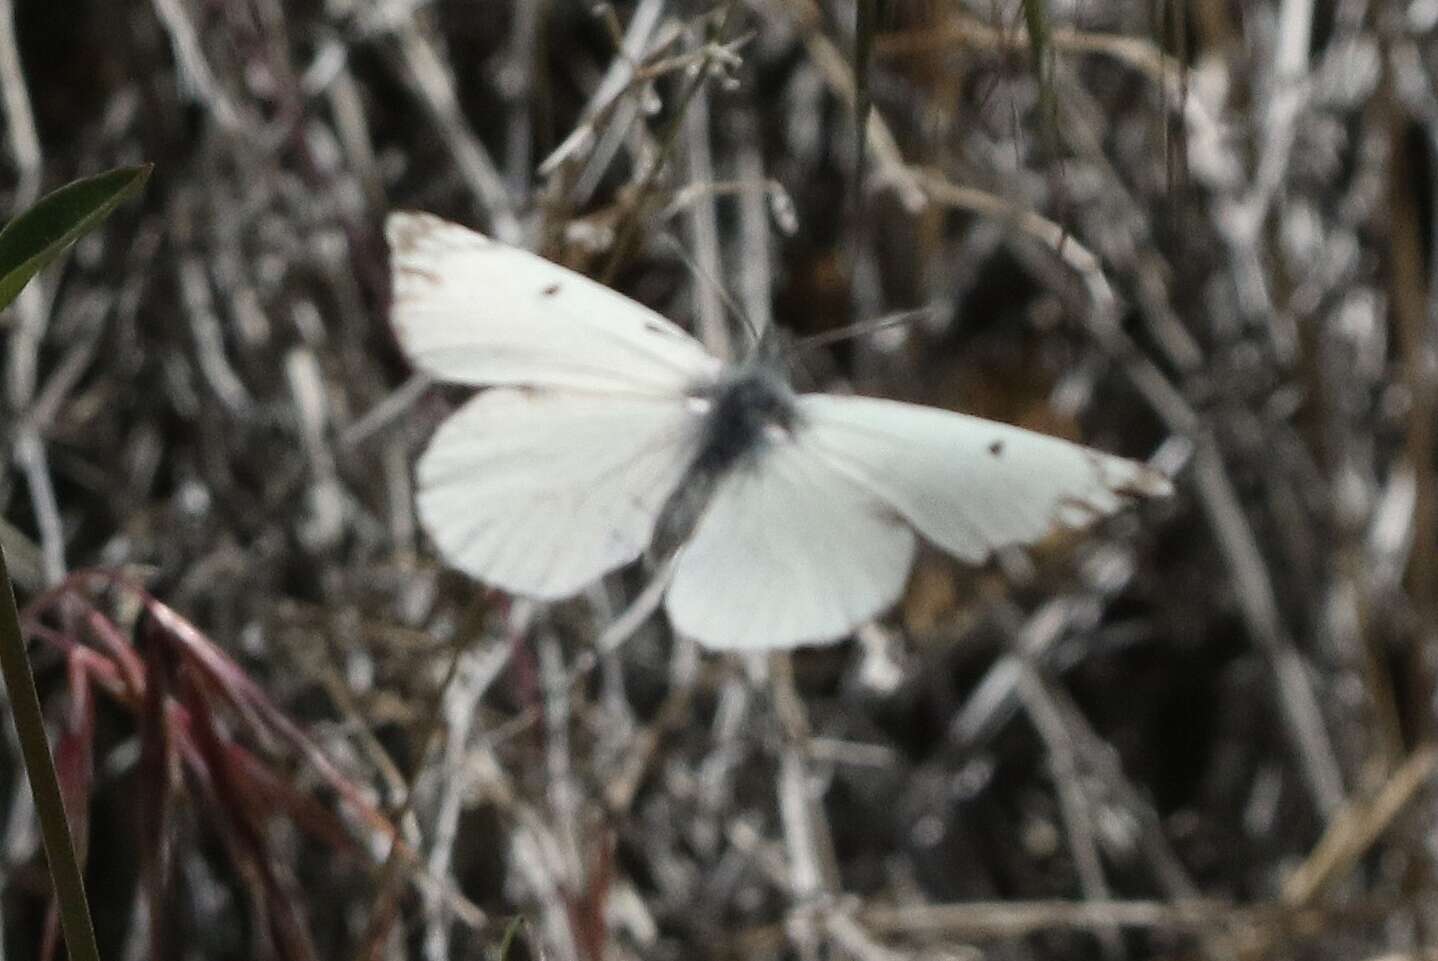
(743, 413)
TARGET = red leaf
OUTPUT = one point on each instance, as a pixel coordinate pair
(259, 712)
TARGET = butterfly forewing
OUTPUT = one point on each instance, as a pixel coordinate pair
(967, 484)
(472, 310)
(543, 492)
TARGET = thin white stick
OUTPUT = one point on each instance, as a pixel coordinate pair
(430, 77)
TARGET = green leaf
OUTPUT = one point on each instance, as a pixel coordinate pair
(40, 234)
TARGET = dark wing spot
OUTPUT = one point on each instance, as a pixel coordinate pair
(888, 514)
(551, 290)
(654, 328)
(997, 448)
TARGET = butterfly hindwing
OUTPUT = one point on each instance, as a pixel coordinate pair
(471, 310)
(788, 551)
(542, 492)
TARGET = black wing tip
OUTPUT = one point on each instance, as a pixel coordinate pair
(1145, 482)
(1125, 480)
(1130, 478)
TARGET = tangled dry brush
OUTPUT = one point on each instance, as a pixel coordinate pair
(1200, 234)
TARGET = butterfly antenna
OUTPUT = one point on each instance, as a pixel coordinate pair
(863, 328)
(756, 335)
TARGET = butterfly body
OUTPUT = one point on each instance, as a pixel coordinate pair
(603, 425)
(746, 411)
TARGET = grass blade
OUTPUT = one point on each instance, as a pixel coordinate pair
(65, 870)
(40, 234)
(866, 14)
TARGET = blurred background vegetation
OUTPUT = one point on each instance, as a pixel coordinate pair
(1200, 233)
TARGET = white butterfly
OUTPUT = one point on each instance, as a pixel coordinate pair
(599, 411)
